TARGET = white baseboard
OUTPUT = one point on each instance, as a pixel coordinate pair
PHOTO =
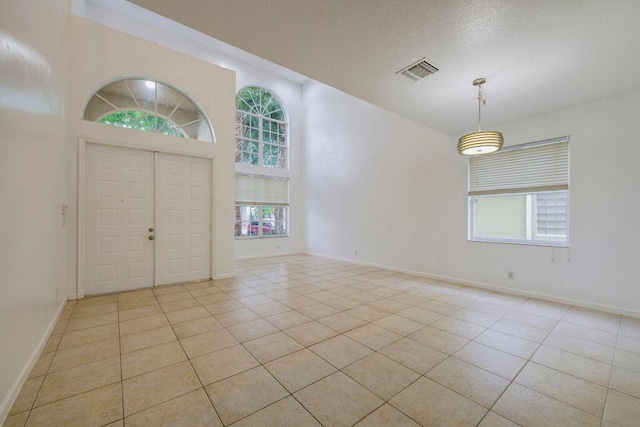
(241, 258)
(11, 397)
(224, 276)
(546, 297)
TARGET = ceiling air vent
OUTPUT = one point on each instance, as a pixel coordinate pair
(418, 70)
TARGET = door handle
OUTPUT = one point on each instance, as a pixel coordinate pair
(150, 237)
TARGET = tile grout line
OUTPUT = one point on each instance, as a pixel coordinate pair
(510, 381)
(486, 328)
(154, 370)
(539, 344)
(375, 352)
(361, 303)
(193, 367)
(304, 348)
(32, 405)
(263, 367)
(530, 361)
(120, 351)
(606, 399)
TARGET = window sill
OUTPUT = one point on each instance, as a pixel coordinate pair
(259, 237)
(523, 242)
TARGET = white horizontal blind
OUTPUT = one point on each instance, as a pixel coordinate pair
(261, 190)
(542, 166)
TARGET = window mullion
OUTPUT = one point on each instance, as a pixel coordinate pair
(529, 216)
(260, 143)
(472, 221)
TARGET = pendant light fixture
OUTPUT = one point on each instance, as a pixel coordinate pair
(481, 142)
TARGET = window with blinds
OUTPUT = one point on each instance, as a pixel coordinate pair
(521, 194)
(262, 205)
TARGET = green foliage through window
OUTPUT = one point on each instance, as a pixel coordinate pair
(261, 129)
(140, 120)
(260, 102)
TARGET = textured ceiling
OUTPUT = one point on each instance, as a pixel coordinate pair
(537, 55)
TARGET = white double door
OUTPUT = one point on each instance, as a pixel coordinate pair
(148, 219)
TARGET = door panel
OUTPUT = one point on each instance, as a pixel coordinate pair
(119, 211)
(183, 207)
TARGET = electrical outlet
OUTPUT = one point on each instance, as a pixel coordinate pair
(278, 247)
(356, 253)
(510, 275)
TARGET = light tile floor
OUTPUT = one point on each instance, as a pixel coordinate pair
(307, 341)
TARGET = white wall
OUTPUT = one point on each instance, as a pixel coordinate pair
(141, 23)
(99, 54)
(375, 183)
(396, 192)
(33, 70)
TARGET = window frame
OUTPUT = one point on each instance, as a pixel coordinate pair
(530, 206)
(139, 102)
(530, 222)
(260, 220)
(261, 192)
(261, 117)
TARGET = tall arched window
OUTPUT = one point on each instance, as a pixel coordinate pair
(261, 129)
(262, 202)
(149, 106)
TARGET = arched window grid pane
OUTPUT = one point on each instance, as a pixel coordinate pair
(255, 104)
(247, 126)
(261, 129)
(150, 106)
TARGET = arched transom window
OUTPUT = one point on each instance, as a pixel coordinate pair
(261, 129)
(149, 106)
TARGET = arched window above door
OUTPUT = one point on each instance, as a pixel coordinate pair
(149, 106)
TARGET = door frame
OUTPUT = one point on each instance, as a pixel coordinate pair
(82, 202)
